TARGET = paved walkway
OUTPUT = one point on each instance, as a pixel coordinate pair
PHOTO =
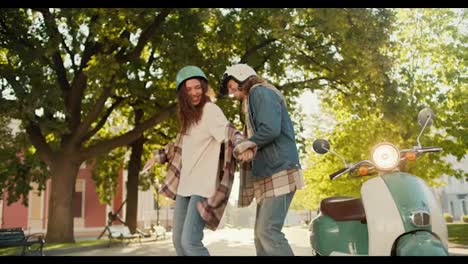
(223, 242)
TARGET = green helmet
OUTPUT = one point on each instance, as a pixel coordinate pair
(188, 72)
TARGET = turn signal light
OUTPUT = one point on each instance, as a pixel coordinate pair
(411, 155)
(363, 170)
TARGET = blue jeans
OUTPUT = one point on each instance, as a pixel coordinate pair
(187, 233)
(268, 238)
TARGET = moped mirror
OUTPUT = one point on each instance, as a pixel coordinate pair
(425, 118)
(321, 146)
(426, 115)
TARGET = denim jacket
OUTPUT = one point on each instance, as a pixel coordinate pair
(273, 133)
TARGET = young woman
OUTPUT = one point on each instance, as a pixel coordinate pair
(198, 179)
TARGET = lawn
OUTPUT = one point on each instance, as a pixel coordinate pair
(47, 246)
(458, 233)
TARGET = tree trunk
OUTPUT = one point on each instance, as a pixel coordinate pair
(157, 208)
(134, 168)
(63, 172)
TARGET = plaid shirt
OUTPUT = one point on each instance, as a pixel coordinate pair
(210, 212)
(280, 183)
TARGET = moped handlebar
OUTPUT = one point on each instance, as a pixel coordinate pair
(430, 149)
(338, 173)
(421, 150)
(349, 168)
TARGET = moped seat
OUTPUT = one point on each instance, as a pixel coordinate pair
(343, 208)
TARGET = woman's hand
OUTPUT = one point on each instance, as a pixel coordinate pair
(149, 164)
(170, 150)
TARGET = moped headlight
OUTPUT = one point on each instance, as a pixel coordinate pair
(386, 156)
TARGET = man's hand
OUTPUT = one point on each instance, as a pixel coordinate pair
(243, 147)
(246, 155)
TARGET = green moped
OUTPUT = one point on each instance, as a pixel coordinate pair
(396, 215)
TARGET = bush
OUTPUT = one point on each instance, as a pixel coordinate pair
(464, 218)
(448, 218)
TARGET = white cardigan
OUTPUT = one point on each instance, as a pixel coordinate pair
(200, 153)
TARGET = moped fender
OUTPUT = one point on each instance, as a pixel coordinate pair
(419, 243)
(330, 237)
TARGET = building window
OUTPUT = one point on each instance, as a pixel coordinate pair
(77, 212)
(78, 199)
(451, 208)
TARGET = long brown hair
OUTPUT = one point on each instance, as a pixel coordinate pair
(251, 81)
(188, 113)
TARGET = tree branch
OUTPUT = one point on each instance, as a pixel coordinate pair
(125, 139)
(315, 62)
(330, 84)
(103, 120)
(338, 89)
(56, 57)
(150, 61)
(39, 142)
(72, 56)
(163, 135)
(343, 83)
(91, 47)
(14, 36)
(93, 114)
(74, 101)
(71, 94)
(251, 51)
(294, 84)
(261, 64)
(147, 33)
(9, 73)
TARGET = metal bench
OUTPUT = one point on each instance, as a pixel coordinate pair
(121, 233)
(155, 232)
(15, 237)
(160, 232)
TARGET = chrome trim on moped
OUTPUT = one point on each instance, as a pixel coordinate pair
(420, 218)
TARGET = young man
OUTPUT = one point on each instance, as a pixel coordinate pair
(274, 174)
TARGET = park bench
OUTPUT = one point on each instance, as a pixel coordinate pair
(15, 237)
(160, 232)
(155, 232)
(121, 233)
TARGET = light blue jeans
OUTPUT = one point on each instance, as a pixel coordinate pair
(187, 233)
(268, 237)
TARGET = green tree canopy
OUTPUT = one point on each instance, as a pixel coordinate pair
(428, 69)
(68, 74)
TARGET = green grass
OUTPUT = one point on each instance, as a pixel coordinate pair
(84, 243)
(51, 246)
(458, 233)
